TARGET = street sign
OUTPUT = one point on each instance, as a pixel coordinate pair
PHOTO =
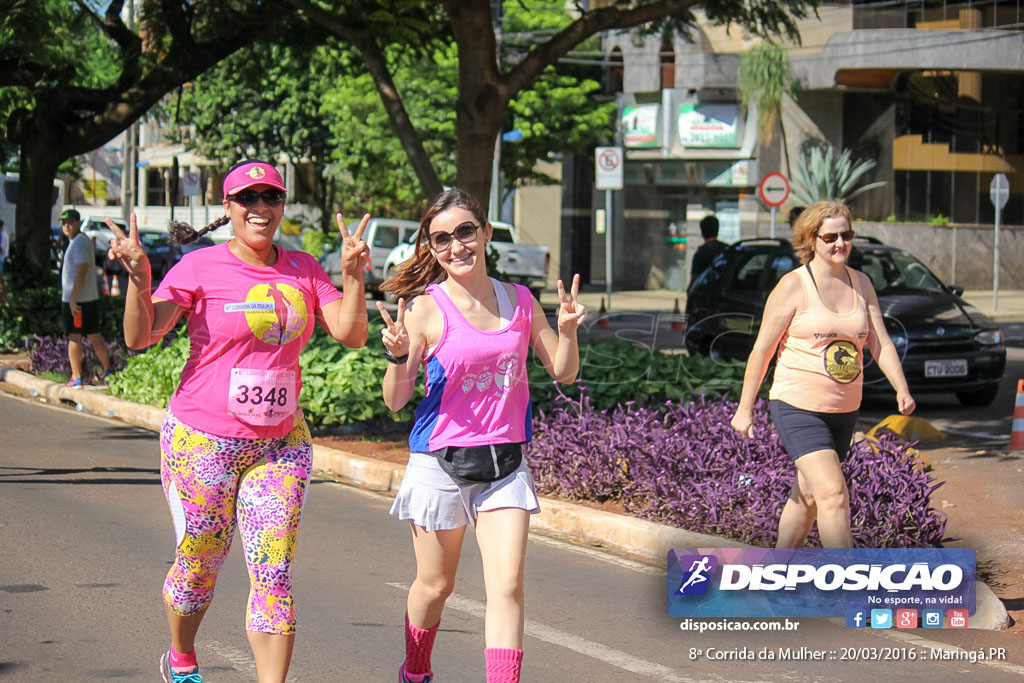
(999, 190)
(190, 183)
(774, 189)
(608, 165)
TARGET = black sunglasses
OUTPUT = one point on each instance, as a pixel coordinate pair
(830, 237)
(249, 198)
(465, 233)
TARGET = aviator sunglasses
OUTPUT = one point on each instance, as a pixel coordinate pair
(465, 233)
(831, 237)
(249, 198)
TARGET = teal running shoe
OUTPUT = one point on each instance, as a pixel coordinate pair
(171, 676)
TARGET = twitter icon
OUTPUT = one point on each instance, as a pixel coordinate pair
(881, 618)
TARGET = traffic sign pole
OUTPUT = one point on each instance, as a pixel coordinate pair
(999, 193)
(774, 191)
(775, 210)
(608, 174)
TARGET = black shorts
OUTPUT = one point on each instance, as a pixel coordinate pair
(804, 431)
(90, 318)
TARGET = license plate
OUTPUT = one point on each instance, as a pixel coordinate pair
(956, 367)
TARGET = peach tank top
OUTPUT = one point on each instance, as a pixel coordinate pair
(821, 356)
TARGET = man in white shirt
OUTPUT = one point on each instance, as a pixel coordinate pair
(80, 308)
(5, 246)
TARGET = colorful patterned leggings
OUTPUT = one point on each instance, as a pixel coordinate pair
(213, 481)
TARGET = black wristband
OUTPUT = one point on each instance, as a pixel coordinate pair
(397, 360)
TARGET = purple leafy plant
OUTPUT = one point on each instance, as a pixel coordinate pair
(50, 354)
(685, 466)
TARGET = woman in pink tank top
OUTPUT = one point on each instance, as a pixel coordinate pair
(819, 317)
(472, 336)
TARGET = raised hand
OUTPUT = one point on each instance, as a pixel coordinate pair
(355, 255)
(128, 250)
(571, 313)
(394, 335)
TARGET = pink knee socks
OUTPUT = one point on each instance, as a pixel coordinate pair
(503, 665)
(419, 642)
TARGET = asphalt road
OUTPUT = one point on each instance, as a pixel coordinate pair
(87, 540)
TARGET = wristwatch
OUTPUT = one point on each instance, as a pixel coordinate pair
(397, 360)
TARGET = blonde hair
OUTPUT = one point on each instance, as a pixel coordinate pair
(807, 225)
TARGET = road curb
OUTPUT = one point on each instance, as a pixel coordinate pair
(587, 526)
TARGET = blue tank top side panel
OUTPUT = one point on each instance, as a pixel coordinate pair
(428, 409)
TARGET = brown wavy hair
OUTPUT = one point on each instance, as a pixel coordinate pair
(810, 221)
(412, 277)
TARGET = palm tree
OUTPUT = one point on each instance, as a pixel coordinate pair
(765, 78)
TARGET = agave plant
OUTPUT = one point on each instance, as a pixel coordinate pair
(823, 175)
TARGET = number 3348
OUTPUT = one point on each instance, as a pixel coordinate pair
(257, 395)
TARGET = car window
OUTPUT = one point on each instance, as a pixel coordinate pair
(894, 270)
(152, 239)
(501, 235)
(747, 279)
(781, 264)
(386, 236)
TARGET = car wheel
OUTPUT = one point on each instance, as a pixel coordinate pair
(978, 397)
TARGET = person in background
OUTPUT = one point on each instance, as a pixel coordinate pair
(822, 314)
(5, 246)
(711, 248)
(794, 213)
(236, 451)
(472, 335)
(80, 306)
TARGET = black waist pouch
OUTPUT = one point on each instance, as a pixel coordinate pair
(480, 464)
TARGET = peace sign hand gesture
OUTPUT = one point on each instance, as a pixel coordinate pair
(355, 255)
(571, 313)
(128, 250)
(394, 335)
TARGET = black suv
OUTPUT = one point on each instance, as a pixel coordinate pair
(945, 344)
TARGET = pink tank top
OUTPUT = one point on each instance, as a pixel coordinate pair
(821, 356)
(477, 388)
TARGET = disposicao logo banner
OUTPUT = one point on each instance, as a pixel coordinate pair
(815, 582)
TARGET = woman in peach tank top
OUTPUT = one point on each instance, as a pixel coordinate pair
(819, 317)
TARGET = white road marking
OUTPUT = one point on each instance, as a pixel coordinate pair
(585, 647)
(242, 661)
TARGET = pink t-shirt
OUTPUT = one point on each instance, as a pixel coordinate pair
(247, 326)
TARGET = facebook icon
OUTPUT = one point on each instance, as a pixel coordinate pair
(856, 618)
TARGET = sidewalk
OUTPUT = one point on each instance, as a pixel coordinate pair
(619, 534)
(1009, 308)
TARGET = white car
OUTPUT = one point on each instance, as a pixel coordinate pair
(526, 264)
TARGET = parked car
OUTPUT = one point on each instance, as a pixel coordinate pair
(95, 228)
(526, 264)
(162, 254)
(382, 235)
(945, 344)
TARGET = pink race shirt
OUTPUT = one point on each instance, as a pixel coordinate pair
(247, 326)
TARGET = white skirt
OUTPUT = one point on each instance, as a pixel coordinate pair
(429, 498)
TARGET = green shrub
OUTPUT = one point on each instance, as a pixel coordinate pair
(152, 377)
(939, 221)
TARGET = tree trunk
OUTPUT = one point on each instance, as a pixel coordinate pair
(39, 161)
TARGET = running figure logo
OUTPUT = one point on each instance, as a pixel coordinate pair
(697, 579)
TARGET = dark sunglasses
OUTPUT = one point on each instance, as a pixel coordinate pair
(249, 198)
(831, 237)
(465, 233)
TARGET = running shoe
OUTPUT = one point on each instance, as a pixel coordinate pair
(404, 678)
(171, 676)
(74, 383)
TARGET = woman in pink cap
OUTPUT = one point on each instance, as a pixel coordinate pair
(235, 447)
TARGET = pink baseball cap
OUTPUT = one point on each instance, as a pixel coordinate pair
(252, 173)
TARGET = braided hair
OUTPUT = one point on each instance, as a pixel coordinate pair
(183, 233)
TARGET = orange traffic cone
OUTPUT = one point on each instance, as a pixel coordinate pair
(106, 286)
(677, 319)
(602, 320)
(1017, 432)
(115, 288)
